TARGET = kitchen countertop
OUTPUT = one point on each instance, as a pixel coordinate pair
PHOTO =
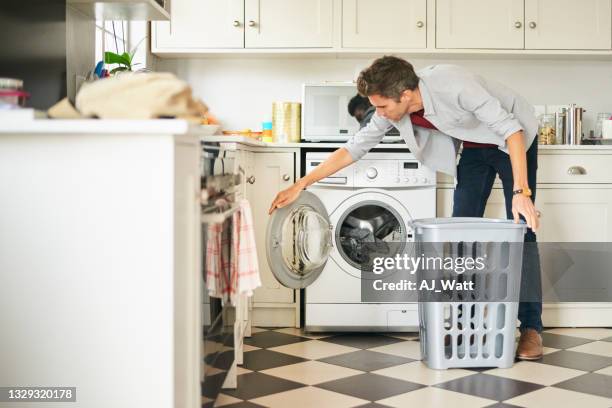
(99, 126)
(256, 143)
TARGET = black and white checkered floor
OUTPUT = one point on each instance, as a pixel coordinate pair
(287, 368)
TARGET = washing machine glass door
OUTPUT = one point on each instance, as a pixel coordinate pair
(298, 241)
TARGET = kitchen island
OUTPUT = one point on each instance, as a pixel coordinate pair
(100, 260)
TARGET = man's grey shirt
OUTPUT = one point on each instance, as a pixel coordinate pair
(464, 107)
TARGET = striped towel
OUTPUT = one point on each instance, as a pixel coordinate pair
(244, 265)
(218, 259)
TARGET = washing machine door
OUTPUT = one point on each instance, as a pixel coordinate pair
(298, 241)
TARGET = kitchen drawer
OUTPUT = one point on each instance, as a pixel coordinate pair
(574, 168)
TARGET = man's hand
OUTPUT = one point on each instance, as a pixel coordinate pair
(524, 206)
(286, 197)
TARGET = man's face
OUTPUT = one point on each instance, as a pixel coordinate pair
(390, 108)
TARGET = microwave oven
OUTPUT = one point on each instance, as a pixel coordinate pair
(325, 116)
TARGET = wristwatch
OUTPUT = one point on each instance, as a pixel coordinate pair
(524, 191)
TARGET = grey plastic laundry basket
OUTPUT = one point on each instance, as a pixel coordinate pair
(475, 328)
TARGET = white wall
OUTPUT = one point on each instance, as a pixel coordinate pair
(241, 91)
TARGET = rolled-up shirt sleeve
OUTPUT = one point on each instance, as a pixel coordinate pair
(474, 98)
(367, 137)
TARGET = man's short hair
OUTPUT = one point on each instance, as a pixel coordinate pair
(358, 102)
(388, 77)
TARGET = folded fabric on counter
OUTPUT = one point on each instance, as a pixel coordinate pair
(139, 96)
(244, 265)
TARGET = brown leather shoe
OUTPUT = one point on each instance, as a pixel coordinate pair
(530, 345)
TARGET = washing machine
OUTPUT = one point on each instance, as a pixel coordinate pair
(316, 242)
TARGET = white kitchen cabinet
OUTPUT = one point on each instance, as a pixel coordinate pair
(100, 260)
(227, 24)
(384, 24)
(201, 24)
(574, 195)
(480, 24)
(272, 173)
(568, 24)
(288, 23)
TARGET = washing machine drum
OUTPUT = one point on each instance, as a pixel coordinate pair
(299, 241)
(367, 230)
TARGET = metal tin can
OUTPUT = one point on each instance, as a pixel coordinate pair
(286, 122)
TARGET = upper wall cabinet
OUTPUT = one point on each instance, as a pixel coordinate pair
(480, 24)
(568, 24)
(393, 24)
(288, 23)
(201, 24)
(210, 24)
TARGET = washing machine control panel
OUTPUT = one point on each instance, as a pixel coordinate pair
(377, 169)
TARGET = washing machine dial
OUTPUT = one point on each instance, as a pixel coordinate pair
(371, 173)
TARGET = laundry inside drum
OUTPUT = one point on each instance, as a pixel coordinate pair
(369, 230)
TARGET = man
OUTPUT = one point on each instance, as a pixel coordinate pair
(435, 110)
(360, 108)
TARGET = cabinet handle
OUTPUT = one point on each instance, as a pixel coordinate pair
(286, 177)
(518, 24)
(251, 180)
(532, 25)
(236, 23)
(420, 24)
(251, 23)
(576, 171)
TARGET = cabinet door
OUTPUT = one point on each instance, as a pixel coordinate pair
(568, 24)
(370, 24)
(272, 173)
(288, 23)
(480, 24)
(201, 24)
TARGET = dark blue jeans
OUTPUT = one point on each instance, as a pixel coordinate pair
(475, 176)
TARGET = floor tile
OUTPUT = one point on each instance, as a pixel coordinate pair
(562, 342)
(406, 349)
(224, 399)
(241, 370)
(263, 359)
(254, 385)
(258, 329)
(502, 405)
(300, 332)
(373, 405)
(366, 360)
(311, 372)
(419, 373)
(489, 386)
(405, 336)
(362, 340)
(434, 398)
(587, 333)
(370, 387)
(575, 360)
(551, 397)
(606, 371)
(548, 350)
(314, 349)
(543, 374)
(248, 347)
(601, 348)
(308, 397)
(596, 384)
(270, 338)
(244, 404)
